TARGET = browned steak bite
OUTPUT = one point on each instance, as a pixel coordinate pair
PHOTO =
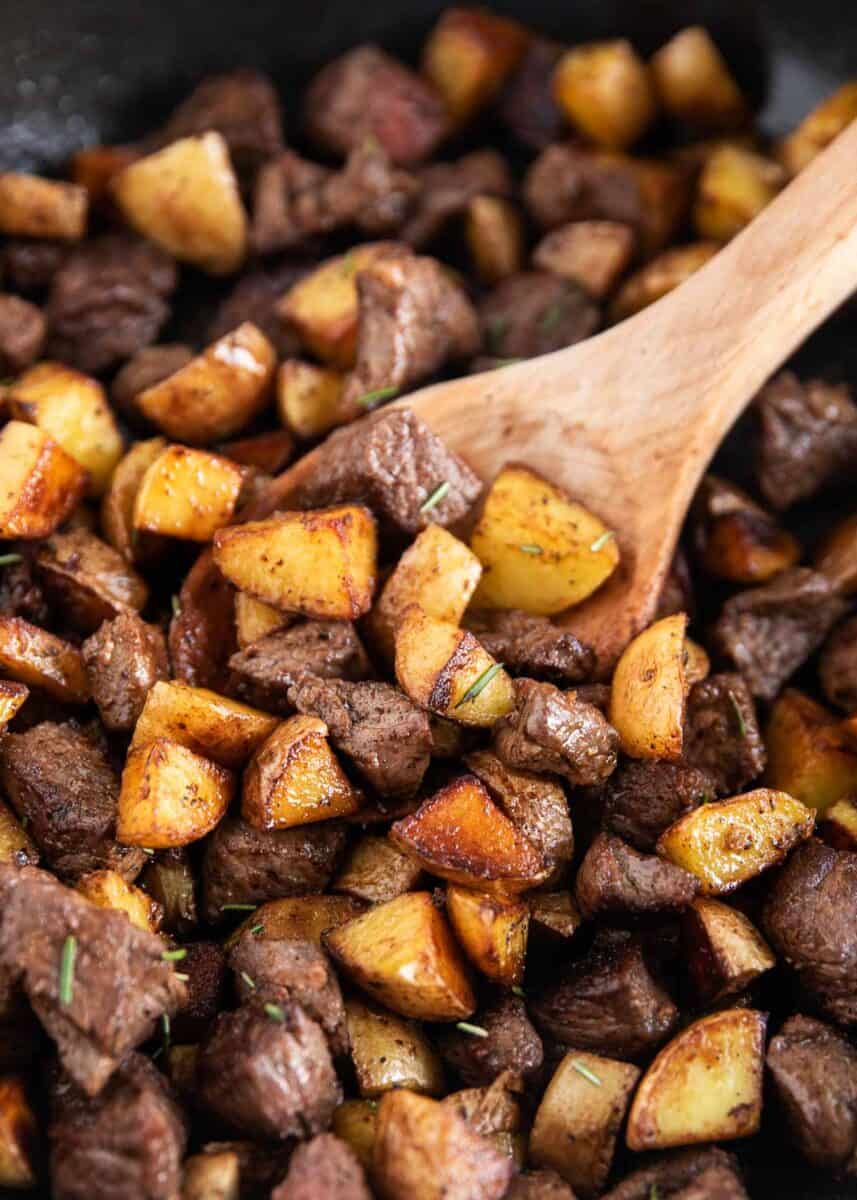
(721, 734)
(642, 799)
(536, 805)
(532, 645)
(512, 1043)
(29, 264)
(446, 190)
(616, 878)
(22, 595)
(125, 1144)
(838, 667)
(709, 1174)
(534, 313)
(322, 1168)
(149, 366)
(96, 982)
(204, 964)
(539, 1185)
(22, 334)
(87, 580)
(527, 106)
(566, 183)
(254, 298)
(124, 660)
(263, 672)
(265, 1070)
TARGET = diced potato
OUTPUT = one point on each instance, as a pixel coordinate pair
(649, 690)
(354, 1121)
(320, 563)
(117, 506)
(724, 951)
(72, 408)
(254, 620)
(735, 538)
(555, 914)
(540, 551)
(468, 57)
(376, 871)
(606, 92)
(403, 954)
(591, 253)
(810, 755)
(95, 167)
(212, 1175)
(185, 198)
(12, 696)
(41, 483)
(42, 208)
(217, 393)
(39, 659)
(224, 730)
(187, 494)
(309, 397)
(268, 452)
(492, 931)
(727, 842)
(299, 918)
(578, 1120)
(16, 846)
(735, 185)
(170, 796)
(461, 835)
(694, 84)
(660, 276)
(108, 889)
(169, 879)
(294, 778)
(444, 669)
(18, 1136)
(495, 237)
(704, 1086)
(818, 129)
(839, 825)
(836, 557)
(91, 581)
(390, 1052)
(697, 664)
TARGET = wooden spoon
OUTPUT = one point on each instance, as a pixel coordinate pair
(627, 421)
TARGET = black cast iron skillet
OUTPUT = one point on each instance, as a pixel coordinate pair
(76, 72)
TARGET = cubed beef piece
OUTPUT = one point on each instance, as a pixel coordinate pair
(22, 595)
(87, 580)
(531, 645)
(615, 878)
(709, 1174)
(243, 865)
(266, 1070)
(534, 313)
(567, 183)
(125, 1144)
(254, 298)
(263, 672)
(279, 971)
(807, 437)
(527, 106)
(22, 334)
(446, 190)
(721, 733)
(642, 799)
(124, 660)
(385, 734)
(539, 1185)
(607, 1002)
(838, 666)
(149, 366)
(119, 983)
(512, 1043)
(367, 92)
(393, 463)
(677, 590)
(204, 963)
(323, 1168)
(537, 806)
(108, 301)
(61, 782)
(553, 731)
(769, 631)
(490, 1109)
(31, 263)
(811, 920)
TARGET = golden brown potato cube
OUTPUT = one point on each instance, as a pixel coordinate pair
(704, 1086)
(217, 393)
(224, 730)
(41, 484)
(390, 1052)
(724, 951)
(376, 871)
(254, 620)
(16, 846)
(185, 199)
(117, 506)
(403, 954)
(309, 397)
(836, 557)
(818, 129)
(495, 237)
(649, 689)
(735, 538)
(727, 842)
(468, 57)
(212, 1175)
(810, 755)
(187, 494)
(294, 778)
(735, 185)
(839, 825)
(18, 1136)
(42, 208)
(299, 918)
(354, 1121)
(12, 696)
(540, 550)
(108, 889)
(90, 579)
(492, 931)
(554, 914)
(73, 410)
(170, 796)
(39, 659)
(659, 277)
(694, 84)
(320, 563)
(460, 834)
(536, 804)
(591, 253)
(606, 92)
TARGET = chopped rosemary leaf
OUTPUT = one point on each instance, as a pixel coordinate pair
(653, 1192)
(475, 1030)
(552, 315)
(531, 548)
(497, 330)
(174, 955)
(436, 497)
(165, 1026)
(275, 1013)
(181, 975)
(601, 542)
(147, 850)
(706, 798)
(479, 685)
(247, 979)
(177, 606)
(519, 991)
(6, 560)
(583, 1070)
(69, 954)
(254, 929)
(238, 907)
(739, 716)
(370, 399)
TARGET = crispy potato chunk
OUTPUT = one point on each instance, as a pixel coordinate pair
(836, 557)
(12, 696)
(704, 1086)
(495, 237)
(224, 730)
(217, 393)
(42, 660)
(309, 398)
(693, 82)
(253, 619)
(108, 889)
(606, 92)
(354, 1121)
(185, 198)
(90, 579)
(299, 918)
(810, 755)
(727, 842)
(725, 953)
(468, 57)
(294, 778)
(735, 538)
(41, 482)
(492, 931)
(212, 1175)
(320, 563)
(839, 825)
(18, 1136)
(735, 185)
(42, 208)
(592, 253)
(555, 914)
(170, 796)
(818, 129)
(649, 690)
(187, 494)
(390, 1052)
(660, 276)
(540, 551)
(117, 506)
(16, 845)
(376, 871)
(403, 954)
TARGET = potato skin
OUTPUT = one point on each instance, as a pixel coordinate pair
(735, 185)
(42, 208)
(605, 90)
(308, 398)
(187, 493)
(12, 696)
(492, 931)
(299, 918)
(819, 128)
(724, 951)
(39, 659)
(647, 696)
(42, 484)
(214, 726)
(16, 845)
(108, 889)
(390, 1052)
(170, 796)
(469, 55)
(694, 84)
(810, 753)
(117, 505)
(18, 1135)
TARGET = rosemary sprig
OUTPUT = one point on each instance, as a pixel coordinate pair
(583, 1070)
(479, 685)
(370, 399)
(275, 1013)
(436, 497)
(238, 907)
(251, 983)
(601, 541)
(174, 955)
(531, 548)
(474, 1030)
(6, 560)
(177, 606)
(69, 954)
(255, 929)
(739, 716)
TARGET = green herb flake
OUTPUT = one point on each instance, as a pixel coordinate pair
(519, 991)
(6, 560)
(474, 1030)
(174, 955)
(436, 497)
(530, 548)
(479, 685)
(601, 541)
(552, 316)
(504, 362)
(496, 330)
(275, 1013)
(653, 1192)
(349, 265)
(147, 850)
(251, 983)
(739, 716)
(69, 954)
(238, 907)
(177, 606)
(165, 1028)
(370, 399)
(181, 975)
(706, 798)
(583, 1070)
(257, 929)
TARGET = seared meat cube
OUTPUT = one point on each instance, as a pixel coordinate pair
(265, 1069)
(149, 366)
(838, 666)
(709, 1174)
(204, 964)
(254, 298)
(512, 1043)
(21, 595)
(539, 1185)
(385, 734)
(721, 734)
(677, 591)
(446, 190)
(125, 1144)
(567, 183)
(87, 580)
(810, 919)
(124, 660)
(534, 313)
(770, 631)
(807, 437)
(119, 983)
(550, 730)
(616, 878)
(527, 106)
(607, 1002)
(532, 645)
(324, 1167)
(31, 263)
(368, 92)
(642, 799)
(243, 865)
(22, 334)
(535, 805)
